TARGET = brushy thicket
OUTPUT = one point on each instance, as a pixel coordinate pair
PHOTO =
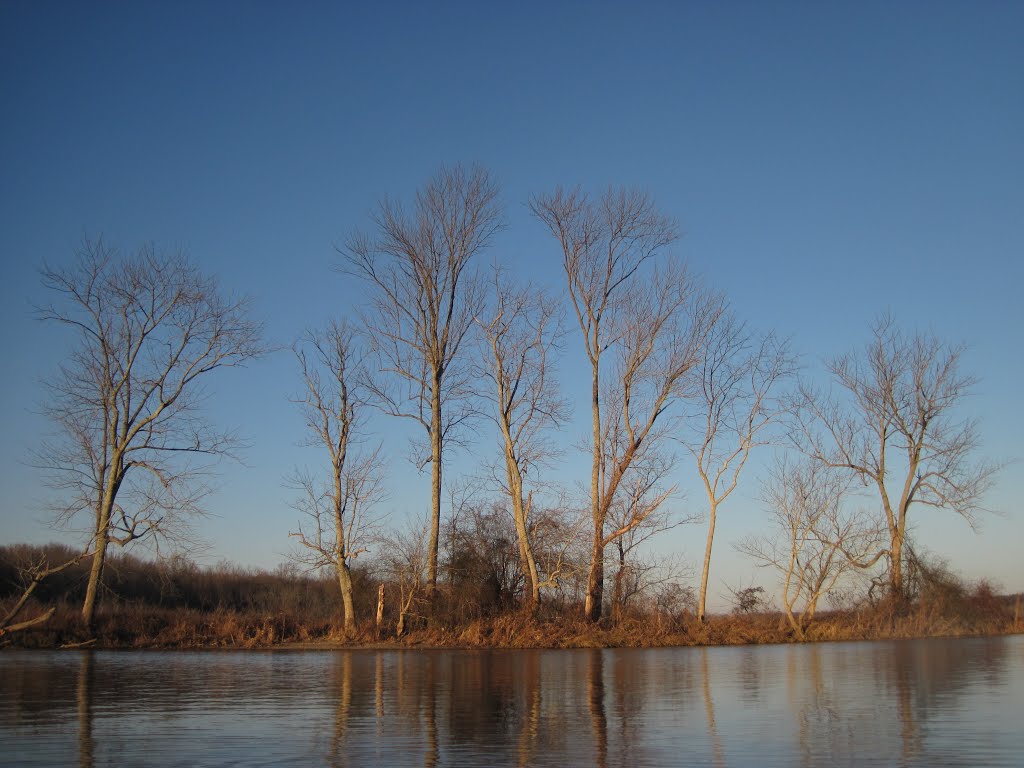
(175, 603)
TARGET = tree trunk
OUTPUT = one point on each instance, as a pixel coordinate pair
(112, 484)
(595, 578)
(95, 575)
(520, 510)
(435, 485)
(345, 583)
(702, 600)
(896, 586)
(620, 574)
(532, 596)
(793, 623)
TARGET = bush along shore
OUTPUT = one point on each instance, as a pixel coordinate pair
(178, 605)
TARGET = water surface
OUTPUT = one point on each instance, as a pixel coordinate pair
(900, 703)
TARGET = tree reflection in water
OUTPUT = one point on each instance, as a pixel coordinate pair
(338, 751)
(913, 702)
(718, 756)
(595, 700)
(83, 700)
(529, 733)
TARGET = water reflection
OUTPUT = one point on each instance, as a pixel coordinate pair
(343, 684)
(907, 703)
(718, 756)
(83, 700)
(595, 702)
(530, 732)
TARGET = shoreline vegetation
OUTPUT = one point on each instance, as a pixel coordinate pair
(181, 606)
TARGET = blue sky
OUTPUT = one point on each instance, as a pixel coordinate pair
(826, 162)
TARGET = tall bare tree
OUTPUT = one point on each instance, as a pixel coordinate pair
(133, 443)
(897, 426)
(424, 301)
(519, 337)
(815, 538)
(337, 507)
(733, 404)
(650, 320)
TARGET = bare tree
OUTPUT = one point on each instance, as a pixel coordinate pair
(897, 427)
(749, 600)
(559, 549)
(337, 507)
(424, 301)
(650, 322)
(734, 403)
(405, 561)
(816, 539)
(133, 443)
(519, 336)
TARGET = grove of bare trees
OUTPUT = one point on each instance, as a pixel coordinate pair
(815, 538)
(663, 369)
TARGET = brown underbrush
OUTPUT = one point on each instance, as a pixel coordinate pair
(182, 606)
(142, 626)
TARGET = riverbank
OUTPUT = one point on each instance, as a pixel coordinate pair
(178, 605)
(148, 627)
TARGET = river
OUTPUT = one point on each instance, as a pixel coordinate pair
(898, 703)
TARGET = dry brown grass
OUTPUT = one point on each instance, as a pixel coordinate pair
(146, 627)
(232, 608)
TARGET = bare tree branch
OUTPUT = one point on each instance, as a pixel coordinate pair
(33, 575)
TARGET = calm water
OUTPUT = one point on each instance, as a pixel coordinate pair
(930, 702)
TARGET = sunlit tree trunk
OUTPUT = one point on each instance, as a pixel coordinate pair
(706, 569)
(435, 486)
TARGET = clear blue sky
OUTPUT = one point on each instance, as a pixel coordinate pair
(827, 162)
